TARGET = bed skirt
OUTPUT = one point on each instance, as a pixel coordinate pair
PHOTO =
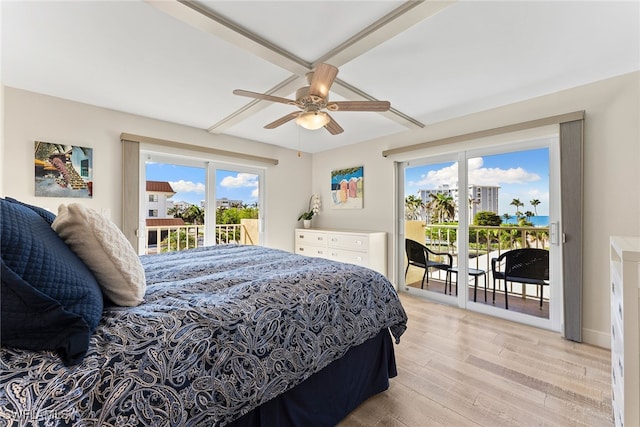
(328, 396)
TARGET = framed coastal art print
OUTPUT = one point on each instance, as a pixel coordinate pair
(347, 188)
(63, 170)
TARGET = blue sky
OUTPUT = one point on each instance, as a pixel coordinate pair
(189, 183)
(521, 175)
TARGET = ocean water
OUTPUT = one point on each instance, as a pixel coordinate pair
(537, 221)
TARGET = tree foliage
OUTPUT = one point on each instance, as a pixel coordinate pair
(412, 207)
(442, 206)
(487, 218)
(194, 214)
(234, 215)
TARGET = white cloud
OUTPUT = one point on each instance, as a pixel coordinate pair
(478, 175)
(240, 180)
(496, 176)
(447, 175)
(183, 186)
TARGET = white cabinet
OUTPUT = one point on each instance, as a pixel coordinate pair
(365, 248)
(625, 331)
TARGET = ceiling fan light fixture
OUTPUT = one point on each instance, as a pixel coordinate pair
(313, 120)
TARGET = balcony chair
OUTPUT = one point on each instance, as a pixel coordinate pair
(420, 256)
(528, 266)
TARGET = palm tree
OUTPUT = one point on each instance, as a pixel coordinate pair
(412, 206)
(529, 214)
(175, 212)
(517, 203)
(443, 206)
(194, 215)
(535, 203)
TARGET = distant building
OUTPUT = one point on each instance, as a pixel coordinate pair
(481, 198)
(157, 205)
(181, 205)
(227, 203)
(157, 199)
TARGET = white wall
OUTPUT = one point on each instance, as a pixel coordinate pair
(611, 159)
(611, 176)
(30, 117)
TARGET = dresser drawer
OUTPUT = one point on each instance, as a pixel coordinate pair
(352, 242)
(624, 280)
(308, 237)
(312, 250)
(352, 257)
(364, 248)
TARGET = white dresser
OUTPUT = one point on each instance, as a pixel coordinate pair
(625, 331)
(365, 248)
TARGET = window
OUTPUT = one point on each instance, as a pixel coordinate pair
(153, 213)
(511, 202)
(208, 202)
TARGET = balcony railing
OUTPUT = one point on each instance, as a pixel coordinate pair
(485, 243)
(177, 238)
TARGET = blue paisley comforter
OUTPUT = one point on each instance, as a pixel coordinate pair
(222, 330)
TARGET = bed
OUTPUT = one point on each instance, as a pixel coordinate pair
(225, 335)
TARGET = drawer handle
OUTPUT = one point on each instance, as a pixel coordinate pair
(613, 332)
(613, 287)
(333, 239)
(621, 367)
(320, 238)
(301, 249)
(620, 310)
(301, 236)
(334, 254)
(358, 242)
(358, 258)
(320, 252)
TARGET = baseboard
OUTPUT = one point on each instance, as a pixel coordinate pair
(597, 338)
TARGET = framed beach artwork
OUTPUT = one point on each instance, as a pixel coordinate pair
(347, 188)
(63, 170)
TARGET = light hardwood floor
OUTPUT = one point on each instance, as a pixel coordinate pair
(459, 368)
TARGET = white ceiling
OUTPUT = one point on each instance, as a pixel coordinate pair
(433, 61)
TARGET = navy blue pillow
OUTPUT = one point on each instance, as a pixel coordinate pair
(45, 214)
(34, 256)
(33, 321)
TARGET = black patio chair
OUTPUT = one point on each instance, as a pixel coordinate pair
(420, 256)
(529, 266)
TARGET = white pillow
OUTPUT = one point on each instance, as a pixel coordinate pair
(105, 250)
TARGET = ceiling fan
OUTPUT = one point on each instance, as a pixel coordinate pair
(313, 100)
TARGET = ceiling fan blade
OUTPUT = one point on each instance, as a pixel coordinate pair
(282, 120)
(263, 96)
(322, 79)
(359, 106)
(333, 127)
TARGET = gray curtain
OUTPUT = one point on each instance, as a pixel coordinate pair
(131, 190)
(571, 140)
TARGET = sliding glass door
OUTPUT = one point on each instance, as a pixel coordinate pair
(430, 228)
(504, 200)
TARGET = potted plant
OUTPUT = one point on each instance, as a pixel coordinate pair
(314, 208)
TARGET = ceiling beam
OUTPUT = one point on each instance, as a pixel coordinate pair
(283, 89)
(208, 21)
(352, 93)
(395, 22)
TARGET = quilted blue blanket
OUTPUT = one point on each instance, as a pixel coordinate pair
(222, 330)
